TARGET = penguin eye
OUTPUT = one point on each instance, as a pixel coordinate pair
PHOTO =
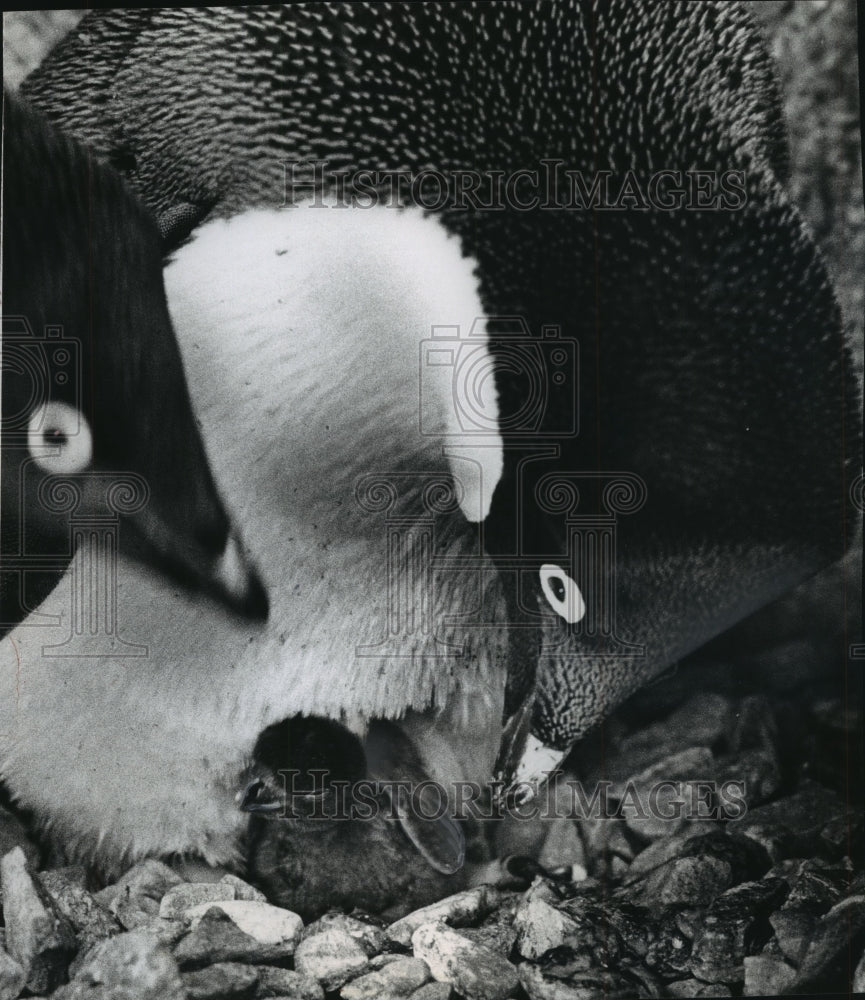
(59, 438)
(562, 594)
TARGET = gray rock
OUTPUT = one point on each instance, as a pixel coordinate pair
(370, 936)
(167, 932)
(701, 721)
(181, 898)
(827, 958)
(656, 799)
(793, 927)
(546, 984)
(332, 956)
(666, 848)
(476, 972)
(148, 878)
(223, 981)
(38, 937)
(792, 826)
(217, 938)
(55, 879)
(766, 976)
(497, 931)
(131, 966)
(669, 951)
(757, 769)
(12, 976)
(243, 890)
(90, 921)
(687, 988)
(433, 991)
(720, 949)
(459, 910)
(137, 894)
(274, 982)
(693, 881)
(396, 979)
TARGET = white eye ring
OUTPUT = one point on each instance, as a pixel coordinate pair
(562, 594)
(59, 438)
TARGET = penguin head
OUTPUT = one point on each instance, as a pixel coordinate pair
(700, 487)
(97, 420)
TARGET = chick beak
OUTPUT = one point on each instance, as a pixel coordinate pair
(524, 762)
(255, 798)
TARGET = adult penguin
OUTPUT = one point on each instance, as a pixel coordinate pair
(631, 166)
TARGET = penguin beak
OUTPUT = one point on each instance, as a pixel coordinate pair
(524, 762)
(255, 798)
(214, 563)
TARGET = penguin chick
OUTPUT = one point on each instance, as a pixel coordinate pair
(303, 332)
(93, 386)
(321, 807)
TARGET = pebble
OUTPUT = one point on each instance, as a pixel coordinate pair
(793, 927)
(467, 907)
(223, 981)
(12, 976)
(149, 878)
(652, 811)
(720, 949)
(766, 976)
(540, 927)
(130, 966)
(666, 848)
(686, 882)
(266, 924)
(274, 982)
(372, 937)
(332, 956)
(792, 826)
(396, 979)
(476, 972)
(216, 938)
(243, 890)
(433, 991)
(687, 988)
(14, 834)
(38, 937)
(182, 898)
(828, 953)
(90, 921)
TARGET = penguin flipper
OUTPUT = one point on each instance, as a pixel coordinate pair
(394, 761)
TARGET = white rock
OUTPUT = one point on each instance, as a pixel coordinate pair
(270, 925)
(182, 898)
(12, 976)
(477, 972)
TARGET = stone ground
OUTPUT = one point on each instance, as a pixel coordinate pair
(771, 902)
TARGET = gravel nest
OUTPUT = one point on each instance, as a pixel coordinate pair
(771, 902)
